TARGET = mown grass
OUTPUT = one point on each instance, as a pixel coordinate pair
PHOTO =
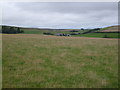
(37, 61)
(100, 35)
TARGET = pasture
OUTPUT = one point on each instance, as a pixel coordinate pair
(100, 35)
(40, 61)
(97, 35)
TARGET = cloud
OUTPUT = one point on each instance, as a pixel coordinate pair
(60, 14)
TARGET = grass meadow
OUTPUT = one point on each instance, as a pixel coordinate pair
(39, 61)
(100, 35)
(97, 35)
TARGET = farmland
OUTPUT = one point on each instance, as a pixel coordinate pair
(99, 35)
(107, 32)
(44, 61)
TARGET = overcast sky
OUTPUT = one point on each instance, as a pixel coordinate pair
(60, 14)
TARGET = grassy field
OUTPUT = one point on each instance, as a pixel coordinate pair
(39, 61)
(100, 35)
(34, 31)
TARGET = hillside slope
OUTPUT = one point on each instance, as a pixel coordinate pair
(110, 29)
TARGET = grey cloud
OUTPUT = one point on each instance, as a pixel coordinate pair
(68, 7)
(60, 15)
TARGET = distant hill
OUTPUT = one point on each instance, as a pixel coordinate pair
(29, 28)
(107, 32)
(110, 29)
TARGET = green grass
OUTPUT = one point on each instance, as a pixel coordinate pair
(37, 61)
(42, 31)
(32, 31)
(106, 28)
(35, 31)
(100, 35)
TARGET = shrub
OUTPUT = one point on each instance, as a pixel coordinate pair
(82, 28)
(74, 31)
(48, 33)
(11, 30)
(105, 36)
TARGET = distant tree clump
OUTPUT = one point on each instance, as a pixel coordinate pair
(18, 30)
(96, 28)
(11, 30)
(74, 31)
(47, 33)
(82, 28)
(105, 36)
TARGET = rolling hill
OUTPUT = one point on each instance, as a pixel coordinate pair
(111, 29)
(106, 32)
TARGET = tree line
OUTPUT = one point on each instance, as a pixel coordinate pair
(11, 30)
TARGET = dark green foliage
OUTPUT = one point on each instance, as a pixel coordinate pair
(48, 33)
(11, 30)
(96, 29)
(105, 36)
(5, 29)
(74, 31)
(22, 31)
(91, 30)
(18, 30)
(82, 28)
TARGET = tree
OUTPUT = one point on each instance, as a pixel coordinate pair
(105, 36)
(12, 30)
(82, 29)
(18, 30)
(5, 29)
(21, 31)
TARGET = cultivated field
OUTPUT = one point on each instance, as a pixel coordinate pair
(39, 61)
